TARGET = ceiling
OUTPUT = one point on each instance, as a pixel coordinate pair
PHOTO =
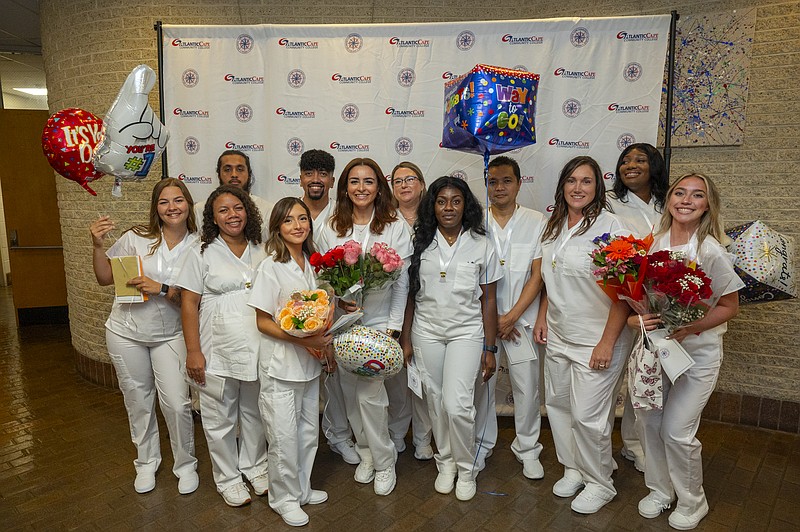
(21, 53)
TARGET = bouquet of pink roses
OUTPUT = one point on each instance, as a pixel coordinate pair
(381, 266)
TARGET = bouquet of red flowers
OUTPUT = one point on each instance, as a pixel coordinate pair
(620, 264)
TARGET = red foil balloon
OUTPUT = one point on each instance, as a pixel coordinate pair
(68, 141)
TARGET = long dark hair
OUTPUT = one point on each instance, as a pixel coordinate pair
(659, 180)
(252, 229)
(561, 210)
(275, 245)
(385, 212)
(427, 224)
(154, 224)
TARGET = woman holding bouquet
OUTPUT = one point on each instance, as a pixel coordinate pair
(408, 187)
(638, 196)
(144, 340)
(365, 213)
(289, 374)
(674, 467)
(587, 341)
(222, 339)
(452, 310)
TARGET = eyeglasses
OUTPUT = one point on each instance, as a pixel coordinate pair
(407, 180)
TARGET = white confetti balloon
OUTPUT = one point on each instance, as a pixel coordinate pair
(367, 352)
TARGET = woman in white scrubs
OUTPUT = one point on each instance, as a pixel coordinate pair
(408, 187)
(638, 196)
(674, 466)
(587, 341)
(289, 374)
(222, 339)
(365, 213)
(145, 341)
(453, 311)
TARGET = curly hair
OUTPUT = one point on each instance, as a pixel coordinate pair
(385, 211)
(247, 186)
(659, 180)
(252, 228)
(561, 210)
(319, 160)
(275, 245)
(427, 224)
(154, 224)
(711, 221)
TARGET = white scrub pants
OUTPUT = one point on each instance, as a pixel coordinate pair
(334, 415)
(627, 429)
(673, 463)
(400, 406)
(290, 411)
(239, 405)
(448, 375)
(143, 370)
(367, 407)
(421, 429)
(524, 377)
(579, 400)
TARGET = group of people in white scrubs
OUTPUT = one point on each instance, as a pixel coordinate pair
(478, 288)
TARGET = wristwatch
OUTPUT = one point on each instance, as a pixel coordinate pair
(394, 333)
(490, 348)
(164, 289)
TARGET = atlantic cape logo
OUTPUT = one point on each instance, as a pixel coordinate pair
(406, 113)
(530, 39)
(348, 80)
(244, 43)
(465, 40)
(298, 45)
(185, 113)
(198, 179)
(575, 144)
(285, 113)
(636, 37)
(230, 145)
(449, 75)
(403, 146)
(190, 45)
(190, 78)
(288, 180)
(244, 80)
(353, 43)
(337, 146)
(579, 37)
(617, 108)
(574, 74)
(295, 146)
(410, 43)
(625, 140)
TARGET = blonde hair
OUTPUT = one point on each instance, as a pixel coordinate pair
(710, 222)
(152, 230)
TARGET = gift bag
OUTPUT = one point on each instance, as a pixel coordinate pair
(644, 375)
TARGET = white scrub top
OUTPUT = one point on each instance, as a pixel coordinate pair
(516, 256)
(155, 320)
(642, 217)
(273, 286)
(717, 263)
(264, 208)
(320, 220)
(449, 308)
(229, 337)
(384, 308)
(577, 309)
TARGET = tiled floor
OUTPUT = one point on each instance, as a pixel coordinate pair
(65, 463)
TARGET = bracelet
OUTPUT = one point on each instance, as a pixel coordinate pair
(490, 348)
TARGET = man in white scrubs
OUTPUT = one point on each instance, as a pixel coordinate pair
(233, 168)
(316, 180)
(515, 231)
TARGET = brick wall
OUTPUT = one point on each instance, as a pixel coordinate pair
(90, 46)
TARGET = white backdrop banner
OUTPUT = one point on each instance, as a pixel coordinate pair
(274, 91)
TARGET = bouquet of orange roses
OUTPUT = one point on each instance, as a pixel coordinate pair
(305, 313)
(621, 263)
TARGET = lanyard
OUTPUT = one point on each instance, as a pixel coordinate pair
(503, 250)
(239, 262)
(564, 239)
(443, 265)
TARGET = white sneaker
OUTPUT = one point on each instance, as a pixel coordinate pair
(385, 481)
(638, 460)
(466, 489)
(588, 503)
(318, 497)
(347, 451)
(145, 481)
(651, 506)
(532, 469)
(296, 517)
(260, 483)
(681, 521)
(444, 482)
(236, 495)
(567, 486)
(188, 483)
(365, 472)
(399, 445)
(423, 452)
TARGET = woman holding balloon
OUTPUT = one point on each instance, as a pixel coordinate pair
(144, 340)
